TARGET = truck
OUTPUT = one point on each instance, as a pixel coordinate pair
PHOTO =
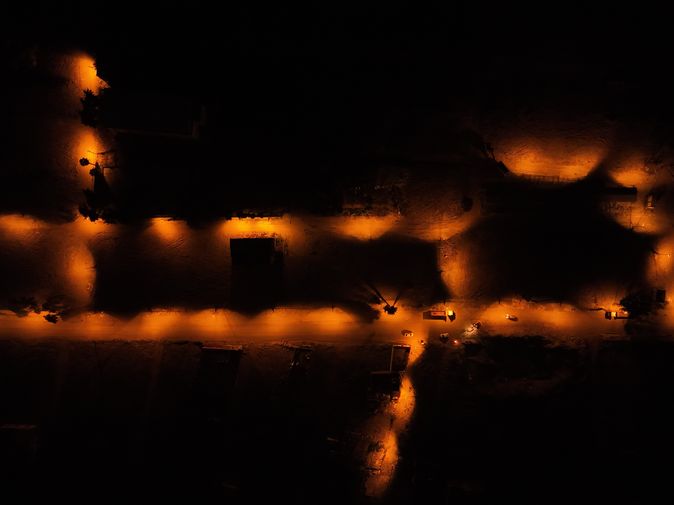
(440, 315)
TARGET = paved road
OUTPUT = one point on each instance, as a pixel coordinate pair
(560, 322)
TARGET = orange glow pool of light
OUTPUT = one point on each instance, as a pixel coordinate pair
(84, 74)
(560, 316)
(96, 325)
(365, 227)
(84, 326)
(630, 171)
(168, 230)
(644, 221)
(212, 323)
(20, 227)
(285, 322)
(383, 462)
(252, 227)
(87, 145)
(81, 271)
(565, 158)
(159, 323)
(455, 272)
(30, 322)
(551, 315)
(328, 320)
(607, 296)
(274, 323)
(86, 229)
(416, 350)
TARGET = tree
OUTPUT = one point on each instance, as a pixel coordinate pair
(639, 303)
(91, 105)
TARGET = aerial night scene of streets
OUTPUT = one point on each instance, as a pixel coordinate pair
(332, 254)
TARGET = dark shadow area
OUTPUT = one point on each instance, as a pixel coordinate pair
(537, 423)
(52, 195)
(349, 273)
(137, 271)
(33, 272)
(393, 263)
(550, 241)
(161, 421)
(202, 179)
(34, 106)
(216, 379)
(520, 419)
(257, 273)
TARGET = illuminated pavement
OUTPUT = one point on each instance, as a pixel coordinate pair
(321, 325)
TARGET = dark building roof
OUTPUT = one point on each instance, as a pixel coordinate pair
(252, 251)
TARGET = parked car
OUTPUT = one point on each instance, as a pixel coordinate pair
(440, 315)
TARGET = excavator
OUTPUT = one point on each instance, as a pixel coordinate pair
(389, 308)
